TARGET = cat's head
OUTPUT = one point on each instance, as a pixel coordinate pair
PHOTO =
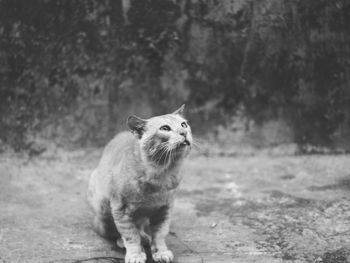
(164, 139)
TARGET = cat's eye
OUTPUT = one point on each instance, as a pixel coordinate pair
(184, 124)
(165, 128)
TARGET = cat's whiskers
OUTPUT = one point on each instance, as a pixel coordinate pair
(197, 144)
(163, 154)
(168, 154)
(172, 155)
(157, 157)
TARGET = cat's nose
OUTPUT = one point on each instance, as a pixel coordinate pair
(183, 133)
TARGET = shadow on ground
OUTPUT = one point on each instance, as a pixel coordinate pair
(252, 209)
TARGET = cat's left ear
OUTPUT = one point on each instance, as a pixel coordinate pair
(180, 111)
(136, 125)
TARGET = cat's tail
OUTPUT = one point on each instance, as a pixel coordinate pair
(105, 227)
(145, 233)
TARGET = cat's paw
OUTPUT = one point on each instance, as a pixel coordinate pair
(165, 256)
(135, 257)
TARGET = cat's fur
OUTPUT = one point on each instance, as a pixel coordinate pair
(132, 189)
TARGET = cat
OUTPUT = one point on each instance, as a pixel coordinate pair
(132, 189)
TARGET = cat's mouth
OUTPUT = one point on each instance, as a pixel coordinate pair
(185, 143)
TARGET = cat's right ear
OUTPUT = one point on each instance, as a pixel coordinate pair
(180, 111)
(136, 125)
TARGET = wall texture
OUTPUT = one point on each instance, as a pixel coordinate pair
(272, 71)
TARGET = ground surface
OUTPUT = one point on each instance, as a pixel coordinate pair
(238, 209)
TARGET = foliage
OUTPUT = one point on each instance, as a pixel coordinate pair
(282, 60)
(60, 56)
(72, 70)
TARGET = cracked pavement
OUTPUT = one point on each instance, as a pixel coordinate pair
(228, 209)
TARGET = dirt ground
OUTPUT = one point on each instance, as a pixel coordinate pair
(237, 209)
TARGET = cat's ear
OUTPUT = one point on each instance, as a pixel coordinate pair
(136, 124)
(180, 111)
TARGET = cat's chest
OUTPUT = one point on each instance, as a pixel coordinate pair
(158, 190)
(154, 186)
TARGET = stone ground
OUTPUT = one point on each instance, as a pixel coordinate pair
(237, 209)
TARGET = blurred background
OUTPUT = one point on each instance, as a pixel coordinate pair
(252, 73)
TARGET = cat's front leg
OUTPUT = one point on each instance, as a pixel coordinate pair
(160, 224)
(129, 233)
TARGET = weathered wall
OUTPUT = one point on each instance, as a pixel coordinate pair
(265, 71)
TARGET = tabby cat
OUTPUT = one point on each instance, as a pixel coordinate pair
(132, 189)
